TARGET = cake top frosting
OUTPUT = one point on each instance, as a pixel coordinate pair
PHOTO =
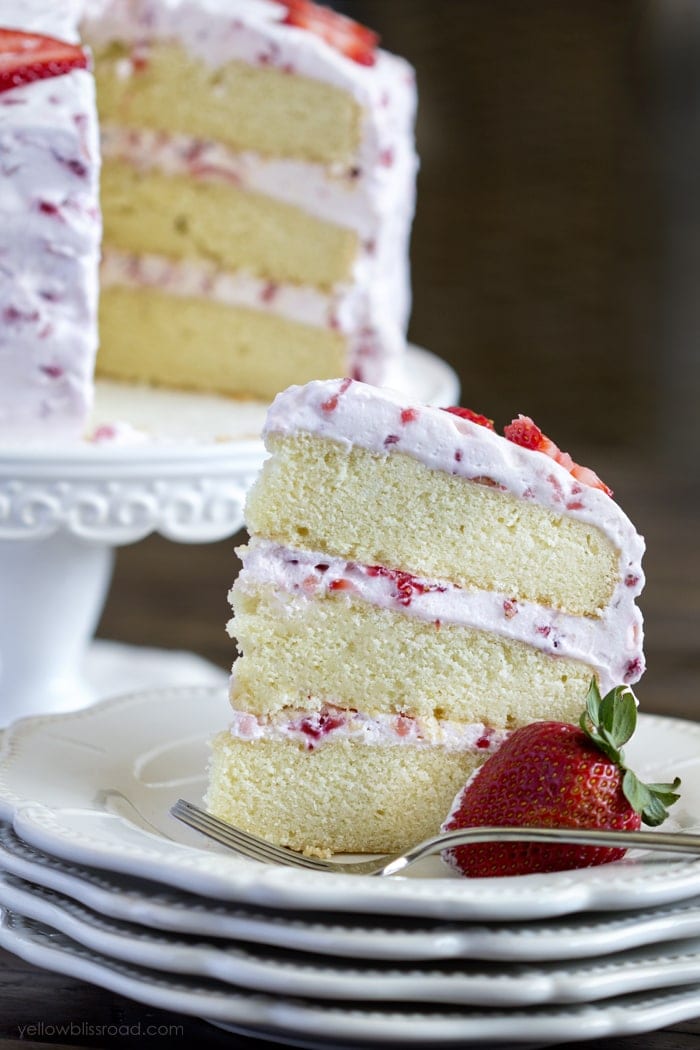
(56, 18)
(382, 421)
(220, 31)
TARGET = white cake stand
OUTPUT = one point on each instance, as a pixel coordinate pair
(64, 510)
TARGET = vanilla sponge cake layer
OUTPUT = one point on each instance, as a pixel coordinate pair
(305, 653)
(199, 344)
(248, 107)
(339, 798)
(391, 509)
(197, 219)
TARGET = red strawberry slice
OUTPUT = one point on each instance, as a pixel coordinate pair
(553, 774)
(353, 40)
(589, 477)
(25, 57)
(523, 431)
(473, 417)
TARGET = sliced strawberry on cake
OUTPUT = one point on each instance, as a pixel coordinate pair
(25, 57)
(352, 39)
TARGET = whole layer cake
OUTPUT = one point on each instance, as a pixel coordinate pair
(50, 222)
(257, 191)
(415, 587)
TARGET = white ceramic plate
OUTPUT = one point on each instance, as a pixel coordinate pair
(276, 971)
(95, 786)
(159, 907)
(309, 1023)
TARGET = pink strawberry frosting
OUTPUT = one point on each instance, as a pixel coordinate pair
(313, 729)
(611, 643)
(49, 250)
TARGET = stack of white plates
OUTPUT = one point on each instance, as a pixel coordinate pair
(101, 883)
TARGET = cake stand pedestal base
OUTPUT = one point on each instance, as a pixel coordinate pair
(52, 594)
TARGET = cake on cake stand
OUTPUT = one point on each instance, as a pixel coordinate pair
(182, 468)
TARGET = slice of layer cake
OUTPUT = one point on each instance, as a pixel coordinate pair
(415, 587)
(50, 222)
(257, 191)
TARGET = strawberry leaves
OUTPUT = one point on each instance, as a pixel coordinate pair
(609, 722)
(650, 800)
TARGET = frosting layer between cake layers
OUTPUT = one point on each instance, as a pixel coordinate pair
(608, 644)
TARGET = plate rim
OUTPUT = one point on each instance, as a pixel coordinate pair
(471, 941)
(537, 983)
(625, 1015)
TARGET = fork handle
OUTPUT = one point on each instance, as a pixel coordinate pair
(669, 841)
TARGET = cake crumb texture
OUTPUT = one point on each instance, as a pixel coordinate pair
(392, 510)
(207, 346)
(247, 107)
(345, 652)
(341, 798)
(208, 221)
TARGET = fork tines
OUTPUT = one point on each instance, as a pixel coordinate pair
(243, 842)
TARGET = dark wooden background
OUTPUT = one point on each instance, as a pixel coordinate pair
(556, 266)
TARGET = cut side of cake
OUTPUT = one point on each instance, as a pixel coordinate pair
(257, 191)
(415, 587)
(50, 221)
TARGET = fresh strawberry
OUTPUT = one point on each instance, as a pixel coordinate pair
(25, 57)
(353, 40)
(553, 774)
(473, 417)
(523, 431)
(589, 477)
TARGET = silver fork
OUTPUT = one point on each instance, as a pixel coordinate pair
(252, 846)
